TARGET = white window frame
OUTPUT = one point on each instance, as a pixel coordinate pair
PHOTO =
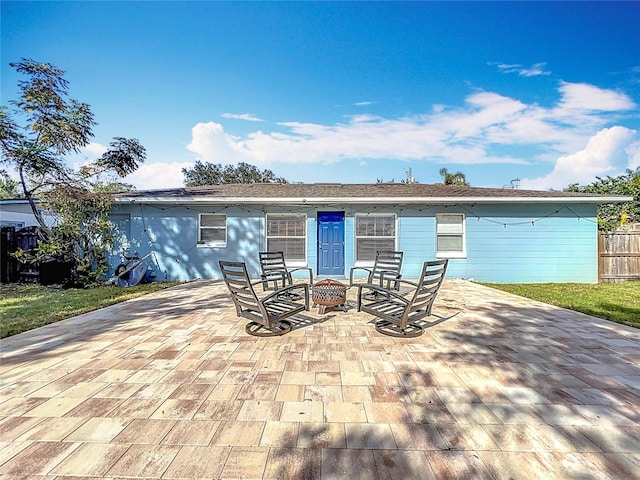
(462, 233)
(362, 263)
(215, 243)
(11, 223)
(303, 218)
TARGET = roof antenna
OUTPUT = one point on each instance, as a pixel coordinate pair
(410, 178)
(513, 184)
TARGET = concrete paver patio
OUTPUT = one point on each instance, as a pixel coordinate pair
(170, 386)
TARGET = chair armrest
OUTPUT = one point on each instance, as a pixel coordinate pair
(295, 269)
(275, 277)
(389, 276)
(295, 286)
(258, 282)
(407, 282)
(268, 278)
(353, 269)
(391, 273)
(379, 289)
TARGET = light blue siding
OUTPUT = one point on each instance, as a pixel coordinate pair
(417, 239)
(530, 244)
(504, 242)
(172, 234)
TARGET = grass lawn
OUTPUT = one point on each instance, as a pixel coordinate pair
(24, 307)
(618, 302)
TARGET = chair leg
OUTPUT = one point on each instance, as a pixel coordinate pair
(258, 330)
(409, 331)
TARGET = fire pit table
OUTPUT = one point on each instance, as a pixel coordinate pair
(329, 293)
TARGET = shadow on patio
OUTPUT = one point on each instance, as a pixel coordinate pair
(170, 386)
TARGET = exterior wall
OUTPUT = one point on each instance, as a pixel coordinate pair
(172, 234)
(536, 245)
(505, 243)
(17, 213)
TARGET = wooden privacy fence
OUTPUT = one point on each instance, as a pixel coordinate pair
(619, 255)
(48, 272)
(11, 240)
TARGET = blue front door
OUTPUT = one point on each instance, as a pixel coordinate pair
(331, 243)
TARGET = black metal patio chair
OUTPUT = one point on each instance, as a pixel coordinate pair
(399, 313)
(275, 270)
(267, 314)
(386, 268)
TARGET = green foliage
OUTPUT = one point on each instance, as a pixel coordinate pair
(24, 307)
(457, 178)
(55, 125)
(10, 189)
(618, 302)
(123, 156)
(613, 215)
(52, 126)
(113, 187)
(217, 174)
(82, 235)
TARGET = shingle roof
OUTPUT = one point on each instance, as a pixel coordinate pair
(358, 193)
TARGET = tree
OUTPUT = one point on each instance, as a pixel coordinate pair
(55, 125)
(9, 188)
(82, 235)
(613, 215)
(52, 126)
(457, 178)
(113, 187)
(217, 174)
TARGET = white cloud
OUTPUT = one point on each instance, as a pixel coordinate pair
(577, 135)
(633, 154)
(449, 136)
(362, 104)
(486, 110)
(211, 144)
(94, 150)
(533, 71)
(249, 117)
(150, 176)
(609, 152)
(87, 154)
(581, 96)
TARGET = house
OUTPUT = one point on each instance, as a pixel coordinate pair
(17, 213)
(493, 235)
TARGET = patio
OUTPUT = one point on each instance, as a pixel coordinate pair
(170, 386)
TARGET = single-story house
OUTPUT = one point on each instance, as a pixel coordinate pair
(17, 213)
(493, 235)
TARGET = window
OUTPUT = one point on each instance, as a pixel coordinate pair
(374, 232)
(288, 233)
(450, 237)
(9, 223)
(213, 230)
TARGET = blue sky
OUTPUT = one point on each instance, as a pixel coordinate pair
(350, 92)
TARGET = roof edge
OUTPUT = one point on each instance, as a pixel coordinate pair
(192, 200)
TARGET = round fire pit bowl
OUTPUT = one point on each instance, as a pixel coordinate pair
(328, 293)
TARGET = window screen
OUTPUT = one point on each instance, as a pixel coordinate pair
(373, 233)
(213, 229)
(450, 235)
(288, 233)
